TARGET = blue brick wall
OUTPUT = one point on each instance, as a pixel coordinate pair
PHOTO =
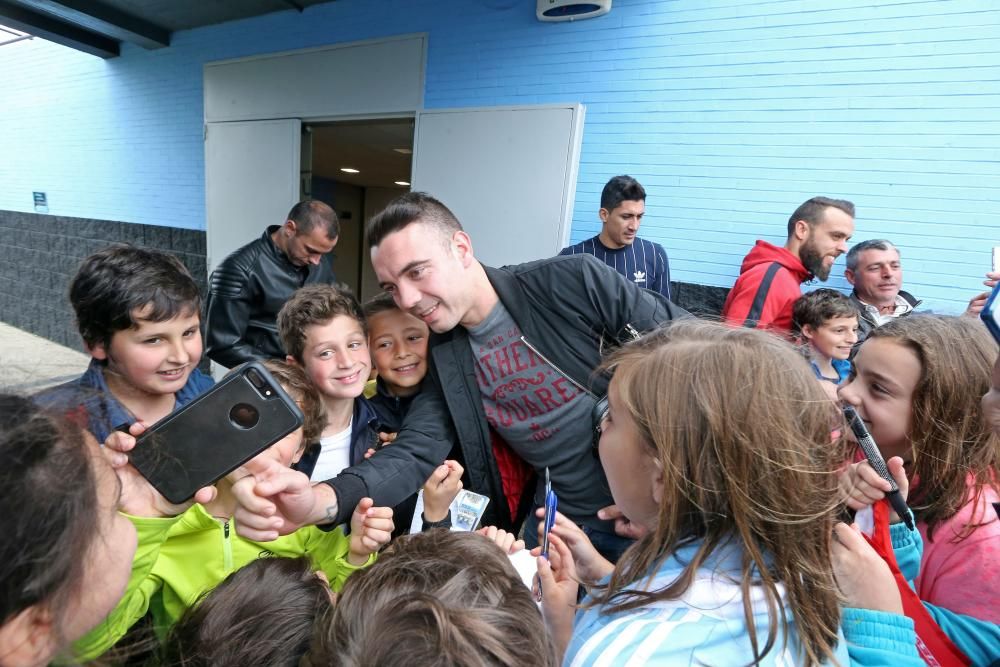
(729, 112)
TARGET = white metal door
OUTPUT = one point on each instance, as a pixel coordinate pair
(508, 174)
(251, 181)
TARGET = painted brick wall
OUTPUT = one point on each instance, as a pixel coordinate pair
(730, 112)
(40, 254)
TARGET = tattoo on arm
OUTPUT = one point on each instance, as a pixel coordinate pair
(331, 514)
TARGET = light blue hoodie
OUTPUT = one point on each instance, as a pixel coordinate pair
(706, 626)
(978, 640)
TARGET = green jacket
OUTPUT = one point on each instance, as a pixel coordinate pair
(181, 557)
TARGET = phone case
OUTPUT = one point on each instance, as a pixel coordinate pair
(217, 432)
(991, 313)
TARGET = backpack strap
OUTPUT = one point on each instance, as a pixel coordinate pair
(757, 307)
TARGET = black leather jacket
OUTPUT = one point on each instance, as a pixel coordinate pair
(246, 291)
(568, 308)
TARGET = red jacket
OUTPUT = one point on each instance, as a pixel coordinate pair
(769, 308)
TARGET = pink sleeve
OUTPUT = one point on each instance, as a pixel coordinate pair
(964, 576)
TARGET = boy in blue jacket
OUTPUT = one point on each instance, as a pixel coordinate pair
(138, 312)
(324, 332)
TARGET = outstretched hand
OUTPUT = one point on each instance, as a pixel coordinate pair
(139, 497)
(371, 529)
(440, 490)
(978, 302)
(273, 501)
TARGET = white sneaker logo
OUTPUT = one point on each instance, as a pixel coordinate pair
(640, 277)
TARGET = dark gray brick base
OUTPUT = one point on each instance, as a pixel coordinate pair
(39, 254)
(700, 300)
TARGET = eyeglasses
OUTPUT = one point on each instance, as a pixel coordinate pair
(597, 416)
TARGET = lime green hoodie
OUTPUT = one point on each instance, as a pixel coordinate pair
(179, 558)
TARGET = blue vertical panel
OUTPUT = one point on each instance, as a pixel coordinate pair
(730, 112)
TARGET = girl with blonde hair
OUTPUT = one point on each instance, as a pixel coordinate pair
(717, 441)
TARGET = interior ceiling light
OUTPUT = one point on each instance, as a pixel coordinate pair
(404, 151)
(349, 170)
(401, 182)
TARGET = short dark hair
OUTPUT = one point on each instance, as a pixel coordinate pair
(48, 508)
(407, 209)
(619, 189)
(265, 613)
(812, 211)
(296, 383)
(310, 213)
(871, 244)
(821, 305)
(315, 304)
(380, 303)
(113, 285)
(444, 598)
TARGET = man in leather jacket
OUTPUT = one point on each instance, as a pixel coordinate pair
(876, 272)
(248, 288)
(512, 360)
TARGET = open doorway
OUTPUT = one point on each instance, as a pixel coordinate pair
(356, 167)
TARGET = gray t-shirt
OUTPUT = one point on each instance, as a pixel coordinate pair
(543, 415)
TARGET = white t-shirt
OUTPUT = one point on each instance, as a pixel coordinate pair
(334, 455)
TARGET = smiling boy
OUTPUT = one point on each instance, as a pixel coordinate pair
(138, 312)
(398, 343)
(828, 321)
(324, 332)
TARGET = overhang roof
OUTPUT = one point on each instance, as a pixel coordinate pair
(99, 27)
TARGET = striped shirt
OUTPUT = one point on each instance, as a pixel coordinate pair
(643, 262)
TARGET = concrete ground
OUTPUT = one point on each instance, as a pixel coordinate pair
(30, 363)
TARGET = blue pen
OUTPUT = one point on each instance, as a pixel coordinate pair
(551, 504)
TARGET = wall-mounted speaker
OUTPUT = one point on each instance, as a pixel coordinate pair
(571, 10)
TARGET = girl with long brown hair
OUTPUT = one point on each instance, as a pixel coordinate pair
(66, 553)
(918, 384)
(717, 441)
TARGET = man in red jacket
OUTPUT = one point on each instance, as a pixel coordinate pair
(771, 276)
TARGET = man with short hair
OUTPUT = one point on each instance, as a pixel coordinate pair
(771, 277)
(623, 204)
(510, 380)
(249, 287)
(875, 271)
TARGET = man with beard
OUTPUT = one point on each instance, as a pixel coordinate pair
(771, 276)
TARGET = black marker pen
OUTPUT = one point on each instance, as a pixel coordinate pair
(877, 463)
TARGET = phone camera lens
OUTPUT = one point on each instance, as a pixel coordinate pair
(244, 416)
